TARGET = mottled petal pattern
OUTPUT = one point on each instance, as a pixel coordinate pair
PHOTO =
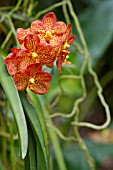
(44, 48)
(59, 28)
(24, 59)
(33, 69)
(31, 42)
(48, 58)
(21, 34)
(11, 63)
(49, 20)
(41, 84)
(37, 27)
(21, 80)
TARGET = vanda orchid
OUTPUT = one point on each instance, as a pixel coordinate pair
(45, 42)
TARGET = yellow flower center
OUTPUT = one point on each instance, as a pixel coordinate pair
(32, 80)
(67, 56)
(34, 54)
(48, 35)
(66, 45)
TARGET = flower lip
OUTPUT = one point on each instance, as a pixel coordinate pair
(32, 80)
(34, 54)
(48, 35)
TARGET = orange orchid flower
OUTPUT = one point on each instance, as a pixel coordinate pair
(48, 29)
(35, 52)
(33, 78)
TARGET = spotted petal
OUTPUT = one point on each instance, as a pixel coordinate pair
(21, 34)
(47, 58)
(21, 80)
(11, 63)
(71, 39)
(59, 28)
(59, 65)
(44, 48)
(37, 27)
(49, 20)
(31, 42)
(68, 30)
(15, 50)
(41, 84)
(56, 40)
(24, 58)
(32, 69)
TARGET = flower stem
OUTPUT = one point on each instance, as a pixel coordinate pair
(53, 136)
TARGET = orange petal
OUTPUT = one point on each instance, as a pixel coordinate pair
(59, 65)
(39, 87)
(24, 59)
(47, 58)
(11, 63)
(56, 40)
(49, 20)
(32, 69)
(41, 84)
(42, 76)
(44, 48)
(71, 39)
(37, 27)
(15, 50)
(59, 28)
(31, 42)
(21, 80)
(42, 37)
(68, 30)
(21, 34)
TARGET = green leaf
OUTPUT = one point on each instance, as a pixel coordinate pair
(3, 52)
(26, 162)
(32, 149)
(15, 103)
(33, 118)
(37, 105)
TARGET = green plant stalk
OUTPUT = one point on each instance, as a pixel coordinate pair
(83, 146)
(54, 138)
(48, 9)
(86, 54)
(56, 146)
(94, 75)
(6, 39)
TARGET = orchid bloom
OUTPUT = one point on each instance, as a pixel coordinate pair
(33, 78)
(48, 29)
(44, 42)
(35, 52)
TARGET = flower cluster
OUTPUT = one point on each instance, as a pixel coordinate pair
(46, 41)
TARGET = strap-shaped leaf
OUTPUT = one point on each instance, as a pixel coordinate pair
(32, 154)
(36, 103)
(34, 121)
(15, 103)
